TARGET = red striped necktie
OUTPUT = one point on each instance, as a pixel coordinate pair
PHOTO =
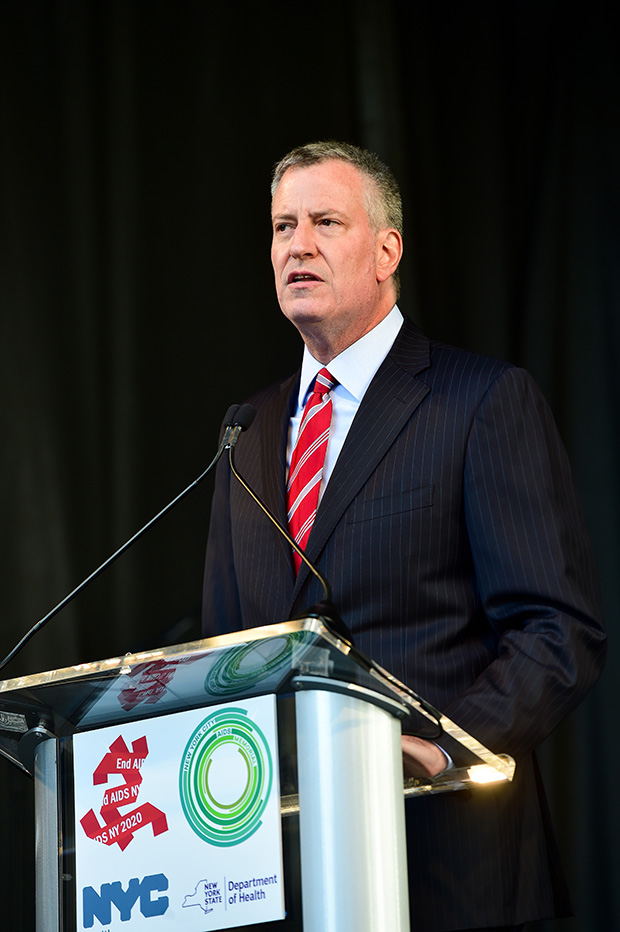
(306, 469)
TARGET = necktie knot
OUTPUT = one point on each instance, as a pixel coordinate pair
(323, 383)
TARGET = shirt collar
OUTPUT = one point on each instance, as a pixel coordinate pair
(356, 366)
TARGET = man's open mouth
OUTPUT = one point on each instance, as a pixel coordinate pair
(296, 277)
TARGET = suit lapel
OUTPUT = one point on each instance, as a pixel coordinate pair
(389, 403)
(274, 437)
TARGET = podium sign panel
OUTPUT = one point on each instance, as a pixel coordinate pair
(201, 782)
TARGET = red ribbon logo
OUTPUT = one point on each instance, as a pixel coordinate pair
(118, 829)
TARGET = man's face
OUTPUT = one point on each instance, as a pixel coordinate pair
(325, 255)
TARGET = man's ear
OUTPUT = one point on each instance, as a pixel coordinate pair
(389, 253)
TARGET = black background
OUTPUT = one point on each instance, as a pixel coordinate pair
(137, 301)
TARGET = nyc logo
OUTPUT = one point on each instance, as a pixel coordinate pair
(99, 905)
(118, 829)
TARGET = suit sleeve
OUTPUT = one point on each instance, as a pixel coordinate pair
(534, 572)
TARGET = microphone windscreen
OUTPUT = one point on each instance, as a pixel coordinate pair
(229, 420)
(244, 417)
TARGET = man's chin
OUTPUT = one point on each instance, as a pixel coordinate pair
(304, 313)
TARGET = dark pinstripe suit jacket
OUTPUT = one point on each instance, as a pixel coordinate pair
(452, 537)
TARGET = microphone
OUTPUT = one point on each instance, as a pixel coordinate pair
(235, 421)
(325, 608)
(241, 419)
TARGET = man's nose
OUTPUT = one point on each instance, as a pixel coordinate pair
(303, 242)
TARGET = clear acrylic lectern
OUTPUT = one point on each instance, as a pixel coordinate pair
(340, 767)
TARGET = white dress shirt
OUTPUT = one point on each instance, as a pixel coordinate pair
(354, 369)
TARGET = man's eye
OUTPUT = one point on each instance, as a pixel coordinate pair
(328, 222)
(282, 227)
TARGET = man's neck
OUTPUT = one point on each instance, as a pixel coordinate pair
(326, 341)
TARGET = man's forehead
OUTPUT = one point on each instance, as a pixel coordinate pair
(321, 186)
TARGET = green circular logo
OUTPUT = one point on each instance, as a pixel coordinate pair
(225, 778)
(249, 664)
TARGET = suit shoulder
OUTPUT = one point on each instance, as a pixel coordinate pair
(444, 356)
(460, 373)
(447, 366)
(440, 361)
(454, 371)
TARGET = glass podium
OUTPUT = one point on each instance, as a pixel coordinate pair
(339, 771)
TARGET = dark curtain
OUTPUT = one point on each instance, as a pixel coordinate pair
(137, 299)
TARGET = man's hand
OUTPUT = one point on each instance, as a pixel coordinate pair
(422, 758)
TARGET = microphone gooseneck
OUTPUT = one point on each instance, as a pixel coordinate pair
(233, 415)
(325, 608)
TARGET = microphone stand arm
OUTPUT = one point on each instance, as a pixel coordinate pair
(276, 523)
(68, 598)
(325, 609)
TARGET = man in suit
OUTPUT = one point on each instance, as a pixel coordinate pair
(447, 524)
